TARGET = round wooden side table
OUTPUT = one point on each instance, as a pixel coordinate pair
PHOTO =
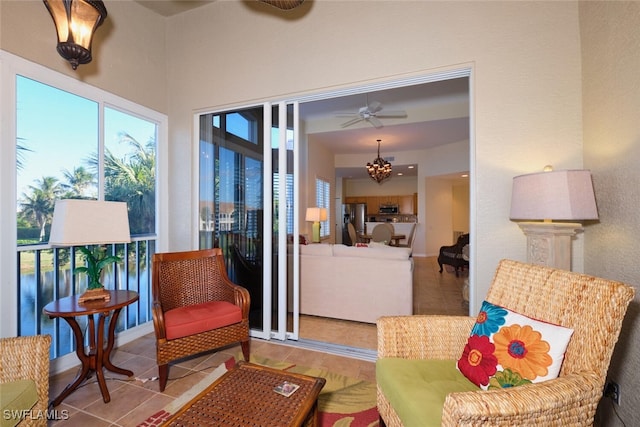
(98, 356)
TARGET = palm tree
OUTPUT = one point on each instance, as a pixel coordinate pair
(79, 181)
(20, 154)
(132, 179)
(38, 206)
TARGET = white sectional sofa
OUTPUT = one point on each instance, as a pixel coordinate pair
(355, 283)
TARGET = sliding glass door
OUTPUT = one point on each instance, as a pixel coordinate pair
(247, 205)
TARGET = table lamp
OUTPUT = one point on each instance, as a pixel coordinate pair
(80, 222)
(546, 198)
(316, 215)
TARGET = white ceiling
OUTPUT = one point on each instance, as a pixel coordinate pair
(437, 114)
(431, 120)
(171, 7)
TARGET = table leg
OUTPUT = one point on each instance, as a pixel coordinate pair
(85, 360)
(99, 356)
(106, 357)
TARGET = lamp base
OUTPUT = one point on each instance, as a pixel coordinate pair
(549, 243)
(316, 232)
(94, 294)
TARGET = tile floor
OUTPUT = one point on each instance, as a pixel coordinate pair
(132, 401)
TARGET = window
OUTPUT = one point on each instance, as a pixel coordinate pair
(323, 198)
(58, 149)
(72, 140)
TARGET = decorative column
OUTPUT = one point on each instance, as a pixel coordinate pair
(549, 243)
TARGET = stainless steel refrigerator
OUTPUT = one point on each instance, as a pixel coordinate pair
(356, 214)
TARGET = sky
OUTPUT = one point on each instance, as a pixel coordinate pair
(61, 131)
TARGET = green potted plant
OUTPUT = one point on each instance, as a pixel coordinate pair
(95, 261)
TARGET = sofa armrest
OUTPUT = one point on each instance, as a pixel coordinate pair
(423, 337)
(562, 401)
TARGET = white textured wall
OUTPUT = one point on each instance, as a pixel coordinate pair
(526, 89)
(611, 94)
(129, 55)
(397, 186)
(525, 84)
(461, 215)
(437, 227)
(321, 166)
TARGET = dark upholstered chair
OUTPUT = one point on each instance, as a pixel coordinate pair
(196, 308)
(453, 255)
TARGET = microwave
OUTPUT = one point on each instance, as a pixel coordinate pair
(388, 209)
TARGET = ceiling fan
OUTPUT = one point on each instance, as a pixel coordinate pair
(372, 113)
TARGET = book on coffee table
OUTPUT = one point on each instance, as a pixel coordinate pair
(286, 388)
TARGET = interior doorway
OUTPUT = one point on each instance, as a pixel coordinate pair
(319, 108)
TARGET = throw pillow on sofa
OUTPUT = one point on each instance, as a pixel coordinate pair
(508, 349)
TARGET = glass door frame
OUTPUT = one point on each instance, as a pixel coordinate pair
(267, 332)
(281, 332)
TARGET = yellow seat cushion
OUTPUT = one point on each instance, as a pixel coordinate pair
(17, 398)
(417, 388)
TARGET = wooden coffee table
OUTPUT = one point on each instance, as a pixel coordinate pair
(245, 396)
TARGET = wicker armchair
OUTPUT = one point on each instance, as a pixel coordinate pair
(191, 290)
(23, 358)
(454, 255)
(593, 307)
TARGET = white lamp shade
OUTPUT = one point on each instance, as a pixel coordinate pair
(316, 214)
(554, 195)
(89, 222)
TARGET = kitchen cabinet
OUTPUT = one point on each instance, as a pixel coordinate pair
(406, 205)
(388, 200)
(373, 205)
(355, 199)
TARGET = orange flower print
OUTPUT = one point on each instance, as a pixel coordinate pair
(522, 349)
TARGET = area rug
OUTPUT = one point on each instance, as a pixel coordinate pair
(343, 402)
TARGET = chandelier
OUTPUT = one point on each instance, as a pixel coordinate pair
(380, 169)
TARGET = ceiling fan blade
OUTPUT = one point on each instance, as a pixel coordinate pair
(351, 122)
(348, 114)
(392, 114)
(375, 122)
(374, 107)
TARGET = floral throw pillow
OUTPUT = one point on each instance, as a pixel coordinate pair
(507, 349)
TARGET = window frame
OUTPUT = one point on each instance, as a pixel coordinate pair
(323, 200)
(11, 66)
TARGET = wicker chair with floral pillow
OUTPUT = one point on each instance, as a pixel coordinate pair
(417, 352)
(196, 308)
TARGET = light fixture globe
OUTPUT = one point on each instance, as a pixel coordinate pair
(380, 169)
(76, 21)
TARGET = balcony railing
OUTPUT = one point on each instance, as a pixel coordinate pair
(45, 274)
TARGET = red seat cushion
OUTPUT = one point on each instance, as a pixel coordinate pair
(185, 321)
